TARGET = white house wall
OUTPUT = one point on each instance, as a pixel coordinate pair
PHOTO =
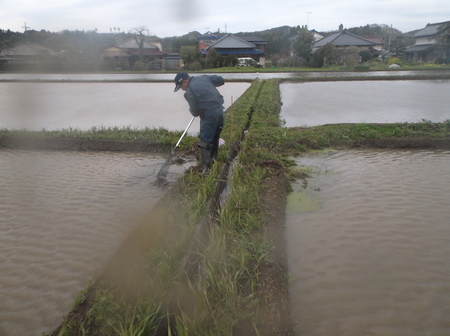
(425, 40)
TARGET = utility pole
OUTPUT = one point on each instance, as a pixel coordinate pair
(25, 31)
(25, 27)
(307, 19)
(390, 36)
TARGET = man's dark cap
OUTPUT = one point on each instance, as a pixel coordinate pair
(179, 78)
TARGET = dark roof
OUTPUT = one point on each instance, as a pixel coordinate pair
(344, 39)
(239, 52)
(430, 30)
(419, 48)
(218, 36)
(232, 42)
(233, 45)
(147, 52)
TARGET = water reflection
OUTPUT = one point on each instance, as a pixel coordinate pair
(52, 106)
(372, 259)
(227, 75)
(312, 104)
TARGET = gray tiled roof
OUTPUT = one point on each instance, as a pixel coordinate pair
(430, 30)
(344, 39)
(231, 41)
(419, 48)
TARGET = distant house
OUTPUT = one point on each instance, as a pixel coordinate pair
(126, 53)
(259, 42)
(345, 39)
(205, 40)
(27, 53)
(241, 46)
(378, 48)
(426, 47)
(317, 36)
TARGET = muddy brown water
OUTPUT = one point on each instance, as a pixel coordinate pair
(368, 244)
(62, 216)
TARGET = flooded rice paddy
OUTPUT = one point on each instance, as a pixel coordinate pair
(53, 106)
(368, 247)
(312, 104)
(62, 216)
(226, 75)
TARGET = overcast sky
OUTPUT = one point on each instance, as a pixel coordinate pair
(178, 17)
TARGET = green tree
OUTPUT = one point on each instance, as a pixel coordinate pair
(173, 44)
(231, 60)
(8, 38)
(394, 41)
(325, 56)
(189, 55)
(303, 43)
(213, 59)
(278, 40)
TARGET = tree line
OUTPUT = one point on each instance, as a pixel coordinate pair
(80, 50)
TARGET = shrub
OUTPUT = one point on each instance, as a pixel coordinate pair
(139, 66)
(325, 56)
(365, 55)
(195, 66)
(348, 56)
(395, 60)
(293, 61)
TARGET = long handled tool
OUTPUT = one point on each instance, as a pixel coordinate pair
(165, 167)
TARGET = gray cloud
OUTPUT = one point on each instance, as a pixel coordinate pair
(178, 17)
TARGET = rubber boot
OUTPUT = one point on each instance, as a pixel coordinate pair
(206, 160)
(214, 150)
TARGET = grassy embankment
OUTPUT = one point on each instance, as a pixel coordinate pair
(237, 281)
(284, 140)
